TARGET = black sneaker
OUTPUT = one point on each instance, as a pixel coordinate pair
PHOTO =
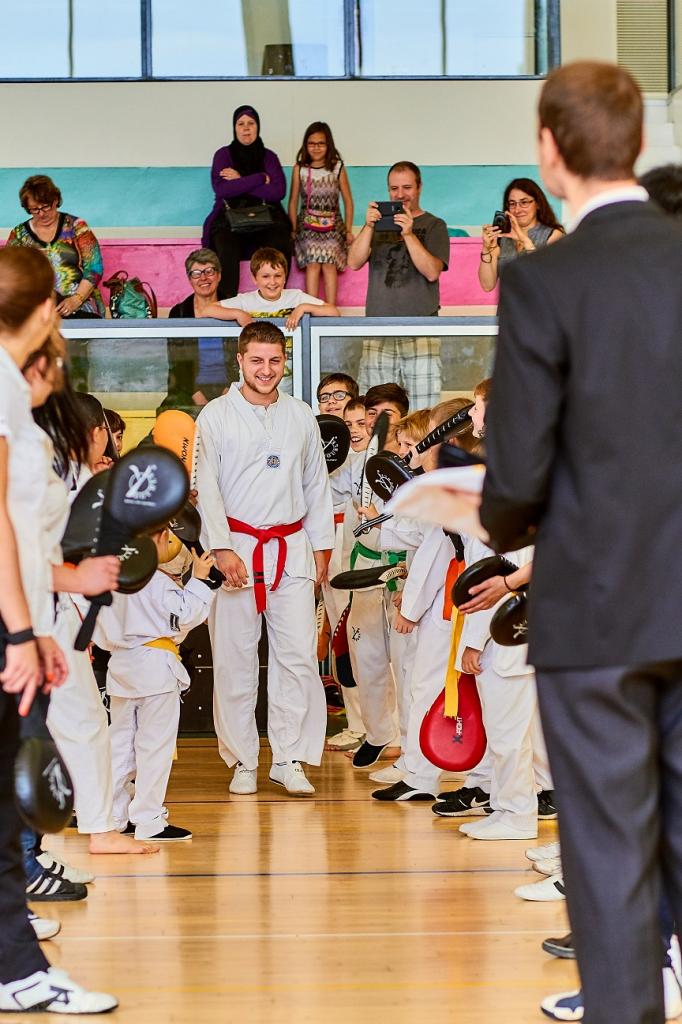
(546, 806)
(50, 888)
(561, 948)
(401, 791)
(463, 803)
(367, 754)
(170, 834)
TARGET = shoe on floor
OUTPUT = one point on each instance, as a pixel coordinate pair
(561, 948)
(169, 834)
(400, 791)
(387, 775)
(546, 891)
(51, 863)
(54, 992)
(496, 827)
(49, 888)
(292, 777)
(129, 830)
(564, 1006)
(345, 740)
(543, 852)
(462, 803)
(546, 807)
(368, 754)
(44, 927)
(552, 866)
(244, 780)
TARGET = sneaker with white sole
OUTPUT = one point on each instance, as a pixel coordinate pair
(49, 888)
(44, 927)
(552, 866)
(52, 991)
(387, 775)
(466, 802)
(59, 867)
(543, 852)
(546, 891)
(497, 826)
(345, 740)
(244, 781)
(570, 1006)
(292, 777)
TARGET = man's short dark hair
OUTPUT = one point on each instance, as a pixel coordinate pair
(406, 165)
(263, 332)
(594, 111)
(348, 382)
(664, 185)
(388, 393)
(355, 403)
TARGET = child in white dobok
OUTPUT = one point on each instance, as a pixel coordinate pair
(145, 678)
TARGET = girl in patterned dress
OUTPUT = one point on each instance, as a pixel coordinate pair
(321, 234)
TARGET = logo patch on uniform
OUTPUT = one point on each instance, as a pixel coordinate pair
(273, 462)
(355, 635)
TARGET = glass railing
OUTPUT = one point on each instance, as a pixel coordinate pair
(140, 367)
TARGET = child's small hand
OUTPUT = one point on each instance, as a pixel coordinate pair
(471, 661)
(368, 511)
(202, 565)
(403, 625)
(397, 599)
(294, 318)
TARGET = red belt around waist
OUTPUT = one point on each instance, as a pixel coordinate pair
(338, 518)
(262, 536)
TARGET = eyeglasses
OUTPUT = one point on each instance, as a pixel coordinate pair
(316, 145)
(206, 272)
(336, 395)
(35, 210)
(523, 203)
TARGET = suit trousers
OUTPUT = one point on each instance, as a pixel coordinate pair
(20, 953)
(614, 737)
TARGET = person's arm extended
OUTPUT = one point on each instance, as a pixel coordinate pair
(428, 265)
(490, 253)
(293, 196)
(529, 374)
(348, 207)
(358, 254)
(217, 312)
(314, 308)
(22, 671)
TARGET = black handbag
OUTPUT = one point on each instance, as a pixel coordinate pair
(245, 219)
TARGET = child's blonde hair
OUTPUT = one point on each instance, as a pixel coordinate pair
(415, 425)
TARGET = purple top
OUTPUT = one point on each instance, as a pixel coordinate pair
(252, 185)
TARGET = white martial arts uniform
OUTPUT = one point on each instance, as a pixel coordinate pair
(264, 466)
(516, 753)
(144, 684)
(368, 623)
(423, 598)
(345, 485)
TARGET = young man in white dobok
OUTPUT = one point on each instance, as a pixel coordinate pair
(266, 507)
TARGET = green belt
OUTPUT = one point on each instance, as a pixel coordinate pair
(394, 557)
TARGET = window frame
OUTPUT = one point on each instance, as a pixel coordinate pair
(547, 52)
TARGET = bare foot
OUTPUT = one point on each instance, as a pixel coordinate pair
(116, 842)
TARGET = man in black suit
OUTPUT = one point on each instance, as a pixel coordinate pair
(584, 436)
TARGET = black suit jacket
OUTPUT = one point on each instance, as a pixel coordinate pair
(584, 438)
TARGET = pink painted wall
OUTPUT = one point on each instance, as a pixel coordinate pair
(160, 262)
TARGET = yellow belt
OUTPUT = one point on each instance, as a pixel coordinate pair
(452, 675)
(164, 643)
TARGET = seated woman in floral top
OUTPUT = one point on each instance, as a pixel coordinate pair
(68, 243)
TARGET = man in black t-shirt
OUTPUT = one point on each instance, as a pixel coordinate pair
(404, 267)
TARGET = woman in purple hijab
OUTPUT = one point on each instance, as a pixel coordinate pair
(245, 175)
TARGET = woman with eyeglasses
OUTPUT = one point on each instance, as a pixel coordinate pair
(68, 243)
(200, 369)
(533, 225)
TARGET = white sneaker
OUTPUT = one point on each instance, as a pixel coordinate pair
(552, 866)
(497, 826)
(53, 991)
(544, 852)
(60, 868)
(292, 777)
(546, 891)
(44, 927)
(388, 775)
(345, 740)
(244, 780)
(671, 994)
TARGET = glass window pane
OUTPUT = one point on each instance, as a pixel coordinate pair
(34, 39)
(238, 37)
(449, 37)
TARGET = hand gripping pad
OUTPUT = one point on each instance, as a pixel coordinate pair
(335, 440)
(455, 744)
(479, 572)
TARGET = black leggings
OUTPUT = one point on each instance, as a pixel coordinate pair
(231, 248)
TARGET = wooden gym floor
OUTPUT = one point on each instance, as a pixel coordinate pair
(304, 911)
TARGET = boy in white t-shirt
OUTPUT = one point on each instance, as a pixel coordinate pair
(272, 299)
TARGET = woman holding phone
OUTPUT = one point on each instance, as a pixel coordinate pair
(531, 225)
